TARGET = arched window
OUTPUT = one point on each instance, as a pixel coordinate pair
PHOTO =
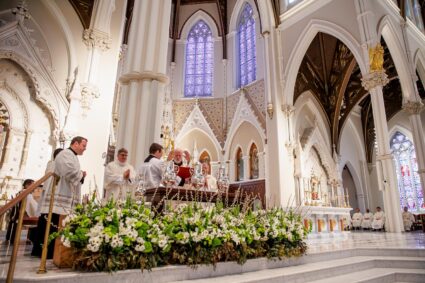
(409, 183)
(239, 165)
(414, 13)
(253, 162)
(199, 61)
(246, 43)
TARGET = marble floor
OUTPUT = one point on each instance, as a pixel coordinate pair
(27, 266)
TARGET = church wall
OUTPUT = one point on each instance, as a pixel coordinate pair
(203, 142)
(350, 187)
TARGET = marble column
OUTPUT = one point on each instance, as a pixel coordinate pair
(387, 182)
(144, 79)
(414, 108)
(246, 171)
(261, 164)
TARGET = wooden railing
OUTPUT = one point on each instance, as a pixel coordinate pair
(22, 198)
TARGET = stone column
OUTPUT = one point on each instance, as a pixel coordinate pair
(261, 164)
(144, 79)
(246, 173)
(25, 154)
(387, 182)
(97, 86)
(414, 109)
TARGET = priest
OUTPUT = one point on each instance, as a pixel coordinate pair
(378, 219)
(119, 177)
(367, 220)
(408, 219)
(357, 219)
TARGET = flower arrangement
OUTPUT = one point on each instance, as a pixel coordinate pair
(116, 236)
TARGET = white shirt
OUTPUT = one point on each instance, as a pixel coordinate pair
(151, 172)
(115, 184)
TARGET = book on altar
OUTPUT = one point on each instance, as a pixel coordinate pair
(184, 172)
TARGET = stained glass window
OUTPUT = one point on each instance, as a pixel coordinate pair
(246, 38)
(409, 184)
(199, 61)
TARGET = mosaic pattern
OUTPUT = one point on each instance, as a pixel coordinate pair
(181, 111)
(213, 110)
(257, 100)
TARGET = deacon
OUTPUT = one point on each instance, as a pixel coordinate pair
(378, 219)
(119, 177)
(210, 181)
(408, 219)
(367, 220)
(357, 219)
(151, 170)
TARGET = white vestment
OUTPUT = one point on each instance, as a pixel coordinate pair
(151, 172)
(378, 220)
(211, 183)
(367, 220)
(43, 203)
(115, 184)
(408, 220)
(357, 219)
(68, 190)
(31, 207)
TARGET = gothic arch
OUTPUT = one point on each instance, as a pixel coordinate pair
(387, 31)
(358, 184)
(314, 27)
(37, 82)
(193, 19)
(234, 18)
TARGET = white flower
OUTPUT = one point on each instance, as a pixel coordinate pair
(116, 241)
(130, 222)
(162, 241)
(140, 240)
(67, 243)
(109, 218)
(140, 248)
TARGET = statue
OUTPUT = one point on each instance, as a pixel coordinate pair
(376, 58)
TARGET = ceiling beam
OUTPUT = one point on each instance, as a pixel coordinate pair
(176, 15)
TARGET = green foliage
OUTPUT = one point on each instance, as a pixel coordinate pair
(117, 236)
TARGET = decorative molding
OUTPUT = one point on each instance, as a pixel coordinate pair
(88, 93)
(375, 79)
(143, 76)
(288, 110)
(94, 38)
(413, 107)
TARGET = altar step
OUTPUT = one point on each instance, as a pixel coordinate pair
(352, 265)
(371, 269)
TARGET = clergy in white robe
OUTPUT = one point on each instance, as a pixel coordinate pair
(119, 177)
(210, 181)
(357, 219)
(408, 219)
(152, 168)
(378, 219)
(367, 220)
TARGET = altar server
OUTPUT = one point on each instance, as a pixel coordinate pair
(378, 219)
(347, 222)
(408, 219)
(357, 219)
(119, 177)
(367, 220)
(152, 168)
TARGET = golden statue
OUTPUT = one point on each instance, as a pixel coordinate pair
(376, 58)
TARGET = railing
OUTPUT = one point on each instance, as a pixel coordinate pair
(22, 198)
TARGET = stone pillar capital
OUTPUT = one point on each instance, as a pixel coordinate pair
(288, 109)
(94, 38)
(413, 107)
(375, 79)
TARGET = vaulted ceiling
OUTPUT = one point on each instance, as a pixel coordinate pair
(330, 72)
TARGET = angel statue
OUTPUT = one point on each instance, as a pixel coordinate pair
(376, 58)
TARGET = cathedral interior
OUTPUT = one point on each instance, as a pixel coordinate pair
(318, 101)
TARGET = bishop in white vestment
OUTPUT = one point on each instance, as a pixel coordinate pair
(119, 177)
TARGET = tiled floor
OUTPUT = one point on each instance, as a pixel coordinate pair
(27, 265)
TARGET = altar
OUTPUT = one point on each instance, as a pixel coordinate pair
(325, 221)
